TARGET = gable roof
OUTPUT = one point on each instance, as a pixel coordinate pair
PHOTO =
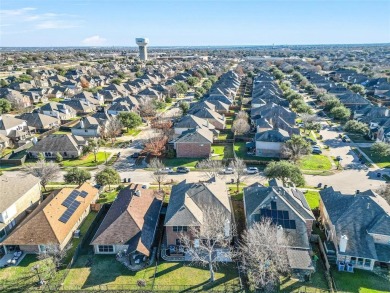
(57, 143)
(38, 120)
(198, 135)
(7, 122)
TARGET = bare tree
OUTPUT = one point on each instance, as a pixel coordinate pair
(46, 171)
(17, 103)
(242, 115)
(55, 254)
(147, 108)
(209, 243)
(157, 166)
(113, 128)
(240, 126)
(384, 191)
(263, 254)
(211, 168)
(238, 166)
(156, 145)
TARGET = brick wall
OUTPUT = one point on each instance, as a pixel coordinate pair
(172, 236)
(193, 150)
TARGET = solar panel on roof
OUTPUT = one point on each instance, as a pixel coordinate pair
(69, 211)
(83, 194)
(71, 197)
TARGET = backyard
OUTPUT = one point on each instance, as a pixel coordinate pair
(87, 161)
(221, 152)
(241, 152)
(313, 198)
(381, 161)
(108, 196)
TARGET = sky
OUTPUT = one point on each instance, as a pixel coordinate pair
(52, 23)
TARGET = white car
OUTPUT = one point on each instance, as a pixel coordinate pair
(228, 171)
(166, 170)
(251, 170)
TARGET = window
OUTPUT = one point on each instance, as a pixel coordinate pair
(2, 233)
(360, 261)
(179, 228)
(106, 248)
(367, 263)
(353, 260)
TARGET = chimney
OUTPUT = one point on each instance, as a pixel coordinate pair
(34, 140)
(343, 243)
(137, 192)
(82, 123)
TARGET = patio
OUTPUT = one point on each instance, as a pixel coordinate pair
(133, 261)
(11, 259)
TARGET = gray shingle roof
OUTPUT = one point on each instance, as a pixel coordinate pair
(57, 143)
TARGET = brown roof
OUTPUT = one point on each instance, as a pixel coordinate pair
(42, 226)
(131, 220)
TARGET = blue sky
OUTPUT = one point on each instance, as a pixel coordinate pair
(186, 23)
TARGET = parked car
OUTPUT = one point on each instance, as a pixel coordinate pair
(301, 124)
(182, 170)
(251, 170)
(134, 156)
(228, 171)
(345, 139)
(166, 170)
(316, 151)
(310, 140)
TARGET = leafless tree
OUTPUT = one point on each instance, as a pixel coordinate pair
(46, 171)
(147, 108)
(55, 254)
(209, 243)
(263, 254)
(238, 166)
(156, 145)
(242, 115)
(384, 191)
(210, 168)
(157, 166)
(240, 126)
(17, 103)
(113, 128)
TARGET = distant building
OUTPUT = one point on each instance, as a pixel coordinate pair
(142, 44)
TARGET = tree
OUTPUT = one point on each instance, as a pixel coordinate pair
(147, 108)
(116, 81)
(354, 126)
(59, 158)
(238, 166)
(108, 176)
(157, 166)
(5, 106)
(296, 147)
(156, 146)
(77, 175)
(41, 157)
(210, 168)
(263, 255)
(285, 171)
(55, 254)
(45, 171)
(17, 103)
(130, 119)
(192, 80)
(330, 102)
(240, 126)
(181, 88)
(113, 128)
(207, 84)
(3, 83)
(84, 82)
(340, 113)
(184, 106)
(242, 115)
(381, 149)
(384, 191)
(358, 88)
(214, 234)
(94, 146)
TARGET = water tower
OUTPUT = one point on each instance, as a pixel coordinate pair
(142, 44)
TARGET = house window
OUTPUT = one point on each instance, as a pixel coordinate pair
(179, 228)
(106, 248)
(2, 233)
(42, 248)
(353, 260)
(367, 263)
(360, 261)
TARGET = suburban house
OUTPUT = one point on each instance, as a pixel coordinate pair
(53, 221)
(191, 122)
(187, 204)
(357, 229)
(58, 110)
(269, 143)
(14, 128)
(40, 122)
(67, 145)
(213, 117)
(288, 209)
(19, 196)
(88, 127)
(194, 143)
(130, 224)
(80, 106)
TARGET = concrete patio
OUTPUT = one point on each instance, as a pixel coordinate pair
(5, 260)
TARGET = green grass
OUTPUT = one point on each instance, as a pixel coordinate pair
(232, 189)
(62, 132)
(315, 162)
(221, 152)
(241, 152)
(313, 198)
(381, 161)
(86, 161)
(108, 197)
(360, 282)
(358, 138)
(181, 162)
(132, 132)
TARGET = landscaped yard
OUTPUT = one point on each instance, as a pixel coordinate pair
(221, 152)
(107, 197)
(313, 198)
(381, 161)
(232, 189)
(360, 282)
(315, 162)
(184, 162)
(358, 138)
(86, 161)
(132, 132)
(241, 152)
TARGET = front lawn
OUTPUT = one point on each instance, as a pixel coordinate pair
(220, 152)
(232, 189)
(315, 162)
(132, 132)
(381, 161)
(108, 197)
(181, 162)
(86, 161)
(241, 152)
(360, 282)
(313, 198)
(358, 138)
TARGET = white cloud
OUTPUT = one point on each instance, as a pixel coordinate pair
(54, 24)
(94, 41)
(15, 12)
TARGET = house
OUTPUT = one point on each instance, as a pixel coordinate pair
(53, 221)
(130, 224)
(58, 110)
(80, 106)
(39, 121)
(269, 143)
(357, 228)
(213, 117)
(288, 209)
(187, 205)
(89, 98)
(67, 145)
(191, 122)
(14, 128)
(194, 143)
(18, 197)
(88, 127)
